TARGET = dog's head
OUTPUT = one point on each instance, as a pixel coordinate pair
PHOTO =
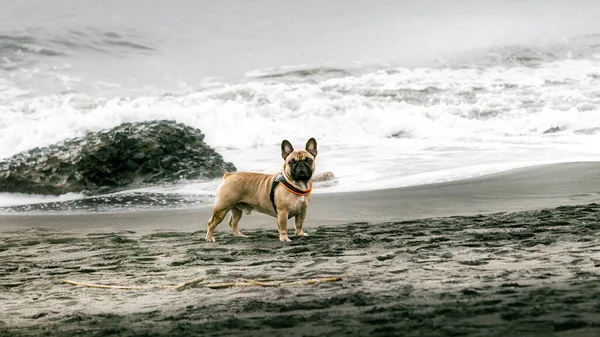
(299, 164)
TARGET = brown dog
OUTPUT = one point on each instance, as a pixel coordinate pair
(283, 195)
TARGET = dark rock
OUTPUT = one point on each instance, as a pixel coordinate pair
(400, 134)
(325, 176)
(130, 155)
(554, 129)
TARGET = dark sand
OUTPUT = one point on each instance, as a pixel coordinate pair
(416, 261)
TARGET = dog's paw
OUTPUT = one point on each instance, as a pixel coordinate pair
(302, 234)
(240, 235)
(209, 238)
(284, 239)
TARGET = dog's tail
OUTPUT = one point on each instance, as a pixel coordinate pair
(227, 174)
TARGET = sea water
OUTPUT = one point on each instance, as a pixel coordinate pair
(396, 93)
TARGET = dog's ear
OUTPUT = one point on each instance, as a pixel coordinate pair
(311, 147)
(286, 149)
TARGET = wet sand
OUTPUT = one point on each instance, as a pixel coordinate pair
(511, 254)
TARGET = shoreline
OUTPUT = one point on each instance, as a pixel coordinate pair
(514, 190)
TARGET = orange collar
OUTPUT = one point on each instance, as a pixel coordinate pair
(296, 191)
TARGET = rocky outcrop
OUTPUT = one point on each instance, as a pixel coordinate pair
(325, 176)
(130, 155)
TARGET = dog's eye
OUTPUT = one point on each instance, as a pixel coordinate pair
(308, 160)
(292, 162)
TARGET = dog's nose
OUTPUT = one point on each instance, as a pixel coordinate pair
(303, 166)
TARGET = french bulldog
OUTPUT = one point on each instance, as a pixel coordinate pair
(283, 195)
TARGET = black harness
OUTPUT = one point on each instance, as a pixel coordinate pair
(281, 179)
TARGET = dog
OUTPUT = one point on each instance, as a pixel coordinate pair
(283, 195)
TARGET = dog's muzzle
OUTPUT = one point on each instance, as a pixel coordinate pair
(301, 171)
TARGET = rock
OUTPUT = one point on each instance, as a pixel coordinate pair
(554, 129)
(325, 176)
(130, 155)
(400, 134)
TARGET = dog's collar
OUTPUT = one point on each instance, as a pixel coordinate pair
(291, 188)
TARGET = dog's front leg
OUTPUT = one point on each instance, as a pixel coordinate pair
(282, 218)
(299, 221)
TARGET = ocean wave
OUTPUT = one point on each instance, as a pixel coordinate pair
(17, 51)
(300, 72)
(494, 103)
(529, 55)
(26, 48)
(24, 44)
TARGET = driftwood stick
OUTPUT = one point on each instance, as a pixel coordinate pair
(182, 285)
(101, 286)
(226, 285)
(312, 281)
(179, 286)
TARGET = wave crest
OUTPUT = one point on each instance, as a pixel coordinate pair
(19, 49)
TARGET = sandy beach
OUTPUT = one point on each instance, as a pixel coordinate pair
(509, 254)
(457, 171)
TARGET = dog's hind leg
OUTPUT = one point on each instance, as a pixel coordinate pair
(234, 219)
(215, 220)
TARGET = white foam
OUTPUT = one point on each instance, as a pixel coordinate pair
(15, 199)
(449, 123)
